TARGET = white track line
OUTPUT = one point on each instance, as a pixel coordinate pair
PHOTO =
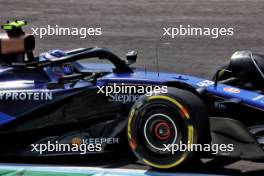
(85, 170)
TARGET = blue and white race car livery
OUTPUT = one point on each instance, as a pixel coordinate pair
(61, 98)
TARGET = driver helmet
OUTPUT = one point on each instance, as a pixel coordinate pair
(53, 54)
(59, 69)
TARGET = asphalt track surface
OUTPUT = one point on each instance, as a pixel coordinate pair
(137, 25)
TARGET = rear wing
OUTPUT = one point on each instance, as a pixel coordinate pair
(120, 65)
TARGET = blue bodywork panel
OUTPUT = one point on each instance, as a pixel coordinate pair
(250, 98)
(226, 91)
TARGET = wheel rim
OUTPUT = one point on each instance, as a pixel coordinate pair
(160, 129)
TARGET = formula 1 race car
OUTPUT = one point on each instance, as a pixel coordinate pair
(55, 98)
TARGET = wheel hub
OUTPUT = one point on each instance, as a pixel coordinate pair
(162, 131)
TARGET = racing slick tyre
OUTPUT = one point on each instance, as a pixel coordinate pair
(157, 124)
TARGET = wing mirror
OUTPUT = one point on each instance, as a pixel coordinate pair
(219, 73)
(131, 57)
